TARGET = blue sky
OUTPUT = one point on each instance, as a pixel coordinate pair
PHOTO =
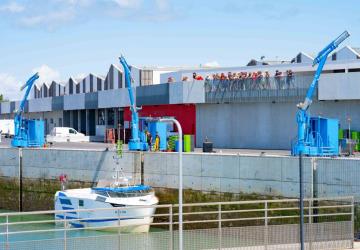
(61, 38)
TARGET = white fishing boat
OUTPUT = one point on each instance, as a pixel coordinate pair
(132, 216)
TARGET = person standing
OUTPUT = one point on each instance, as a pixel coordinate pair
(157, 142)
(149, 139)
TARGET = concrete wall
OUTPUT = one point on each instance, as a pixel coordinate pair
(227, 173)
(340, 86)
(74, 102)
(114, 98)
(187, 92)
(263, 125)
(40, 105)
(88, 166)
(5, 107)
(264, 175)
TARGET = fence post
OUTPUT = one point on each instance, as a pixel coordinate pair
(219, 226)
(65, 232)
(266, 232)
(171, 227)
(119, 240)
(7, 232)
(352, 221)
(310, 225)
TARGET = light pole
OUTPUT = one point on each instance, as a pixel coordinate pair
(180, 178)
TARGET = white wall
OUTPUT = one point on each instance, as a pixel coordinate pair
(345, 54)
(339, 86)
(40, 104)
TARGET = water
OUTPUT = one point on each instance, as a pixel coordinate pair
(47, 235)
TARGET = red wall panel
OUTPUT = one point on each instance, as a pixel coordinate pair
(184, 113)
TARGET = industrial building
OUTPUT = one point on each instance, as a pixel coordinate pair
(232, 113)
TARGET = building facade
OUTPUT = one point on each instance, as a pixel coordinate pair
(234, 112)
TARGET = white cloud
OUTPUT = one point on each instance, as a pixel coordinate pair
(163, 5)
(51, 19)
(211, 64)
(128, 3)
(10, 87)
(12, 7)
(47, 75)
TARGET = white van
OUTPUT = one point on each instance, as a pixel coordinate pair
(7, 127)
(66, 134)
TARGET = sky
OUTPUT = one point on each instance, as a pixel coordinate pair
(63, 38)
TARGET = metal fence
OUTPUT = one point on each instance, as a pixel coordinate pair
(282, 88)
(262, 224)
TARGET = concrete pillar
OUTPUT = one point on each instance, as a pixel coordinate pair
(79, 120)
(87, 123)
(96, 117)
(116, 117)
(106, 117)
(71, 118)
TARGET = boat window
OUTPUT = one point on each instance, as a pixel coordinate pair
(131, 193)
(100, 192)
(81, 203)
(117, 194)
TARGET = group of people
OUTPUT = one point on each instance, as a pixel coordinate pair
(152, 145)
(247, 80)
(254, 80)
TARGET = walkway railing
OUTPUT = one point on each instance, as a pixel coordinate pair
(282, 88)
(261, 224)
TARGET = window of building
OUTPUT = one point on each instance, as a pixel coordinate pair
(60, 122)
(81, 203)
(120, 80)
(333, 57)
(91, 83)
(146, 77)
(84, 85)
(111, 78)
(101, 117)
(71, 86)
(99, 84)
(78, 88)
(106, 84)
(354, 70)
(111, 117)
(339, 71)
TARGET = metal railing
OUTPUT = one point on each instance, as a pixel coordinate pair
(282, 88)
(260, 224)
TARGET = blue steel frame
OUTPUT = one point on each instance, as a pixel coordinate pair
(21, 125)
(135, 143)
(302, 117)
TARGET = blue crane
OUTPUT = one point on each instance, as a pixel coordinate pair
(137, 141)
(27, 133)
(313, 138)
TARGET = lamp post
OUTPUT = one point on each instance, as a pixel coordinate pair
(180, 178)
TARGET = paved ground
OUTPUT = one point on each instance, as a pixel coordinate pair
(103, 146)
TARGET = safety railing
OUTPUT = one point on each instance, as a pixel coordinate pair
(260, 224)
(282, 88)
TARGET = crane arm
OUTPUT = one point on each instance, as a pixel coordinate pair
(321, 59)
(128, 80)
(28, 85)
(133, 108)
